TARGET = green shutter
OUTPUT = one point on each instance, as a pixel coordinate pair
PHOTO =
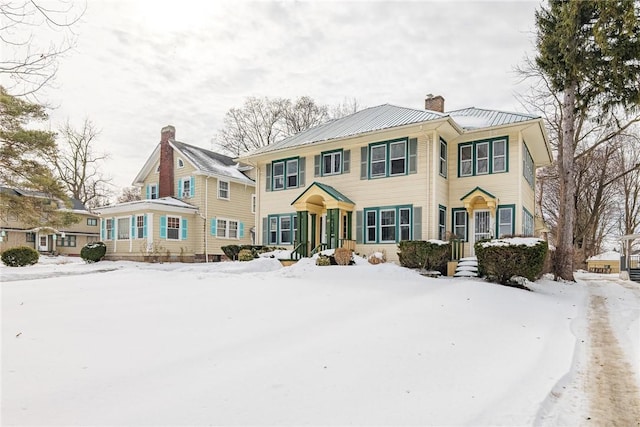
(163, 227)
(185, 223)
(316, 165)
(214, 223)
(268, 177)
(301, 168)
(364, 162)
(417, 223)
(413, 155)
(359, 226)
(265, 231)
(346, 161)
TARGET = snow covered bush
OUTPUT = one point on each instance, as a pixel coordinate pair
(429, 255)
(342, 256)
(323, 260)
(501, 259)
(20, 256)
(245, 255)
(377, 258)
(93, 252)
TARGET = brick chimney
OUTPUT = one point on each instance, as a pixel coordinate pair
(434, 103)
(168, 133)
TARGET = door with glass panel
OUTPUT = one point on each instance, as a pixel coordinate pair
(481, 225)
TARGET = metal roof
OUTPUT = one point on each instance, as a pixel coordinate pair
(476, 118)
(327, 189)
(368, 120)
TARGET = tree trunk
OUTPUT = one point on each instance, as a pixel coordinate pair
(563, 267)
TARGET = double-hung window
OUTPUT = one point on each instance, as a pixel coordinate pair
(123, 228)
(173, 228)
(504, 222)
(186, 188)
(388, 158)
(273, 230)
(398, 158)
(226, 228)
(483, 157)
(387, 225)
(285, 229)
(527, 223)
(285, 174)
(460, 223)
(378, 166)
(281, 229)
(109, 229)
(140, 227)
(442, 220)
(332, 163)
(527, 168)
(223, 190)
(92, 221)
(443, 158)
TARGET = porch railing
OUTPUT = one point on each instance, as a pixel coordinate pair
(321, 247)
(299, 250)
(457, 249)
(348, 244)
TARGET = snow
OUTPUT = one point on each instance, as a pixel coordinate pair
(513, 241)
(255, 343)
(606, 256)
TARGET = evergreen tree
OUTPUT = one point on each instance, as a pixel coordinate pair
(590, 53)
(22, 151)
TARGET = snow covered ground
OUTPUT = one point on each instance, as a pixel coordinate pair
(122, 343)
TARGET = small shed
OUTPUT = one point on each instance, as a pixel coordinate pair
(606, 262)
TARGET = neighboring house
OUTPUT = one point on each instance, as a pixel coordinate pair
(64, 240)
(606, 262)
(195, 202)
(387, 173)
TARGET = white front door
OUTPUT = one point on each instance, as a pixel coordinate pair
(481, 226)
(323, 228)
(43, 243)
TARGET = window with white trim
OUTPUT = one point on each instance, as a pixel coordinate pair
(460, 223)
(109, 229)
(186, 188)
(282, 229)
(92, 221)
(233, 229)
(332, 163)
(153, 191)
(398, 158)
(180, 163)
(223, 190)
(378, 164)
(123, 228)
(372, 226)
(405, 223)
(443, 158)
(388, 224)
(173, 228)
(505, 221)
(292, 173)
(140, 227)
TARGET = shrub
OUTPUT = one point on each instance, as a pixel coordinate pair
(430, 255)
(323, 260)
(500, 260)
(20, 256)
(231, 251)
(93, 252)
(342, 256)
(245, 255)
(377, 258)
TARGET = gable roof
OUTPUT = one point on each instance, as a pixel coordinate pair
(368, 120)
(76, 205)
(476, 118)
(335, 194)
(206, 162)
(168, 204)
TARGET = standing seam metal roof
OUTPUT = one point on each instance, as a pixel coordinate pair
(489, 118)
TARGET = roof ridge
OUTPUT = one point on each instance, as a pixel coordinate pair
(493, 110)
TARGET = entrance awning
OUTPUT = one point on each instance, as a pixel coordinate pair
(479, 199)
(318, 197)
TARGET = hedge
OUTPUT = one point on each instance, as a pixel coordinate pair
(93, 252)
(500, 260)
(20, 256)
(430, 255)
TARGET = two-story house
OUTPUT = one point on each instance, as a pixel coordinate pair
(194, 202)
(387, 173)
(79, 227)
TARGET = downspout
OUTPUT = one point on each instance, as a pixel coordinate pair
(204, 218)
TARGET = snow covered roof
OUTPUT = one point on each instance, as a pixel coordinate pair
(476, 118)
(164, 204)
(606, 256)
(76, 205)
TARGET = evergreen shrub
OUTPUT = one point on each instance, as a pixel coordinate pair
(500, 260)
(93, 252)
(424, 254)
(245, 255)
(20, 256)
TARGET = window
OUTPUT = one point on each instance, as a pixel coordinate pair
(180, 163)
(158, 169)
(66, 241)
(273, 230)
(253, 203)
(221, 228)
(442, 221)
(285, 174)
(285, 229)
(92, 221)
(528, 170)
(388, 158)
(223, 190)
(332, 163)
(186, 188)
(31, 237)
(173, 228)
(527, 223)
(460, 223)
(226, 228)
(109, 229)
(483, 157)
(233, 229)
(152, 191)
(443, 158)
(140, 227)
(504, 223)
(499, 156)
(466, 160)
(388, 225)
(123, 228)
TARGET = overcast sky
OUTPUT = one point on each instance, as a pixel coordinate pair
(140, 65)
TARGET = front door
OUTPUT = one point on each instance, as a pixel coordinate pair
(43, 243)
(481, 226)
(323, 228)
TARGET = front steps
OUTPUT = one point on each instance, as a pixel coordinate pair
(634, 274)
(467, 267)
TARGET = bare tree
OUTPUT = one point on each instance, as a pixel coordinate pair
(304, 114)
(129, 194)
(345, 108)
(628, 186)
(79, 166)
(34, 35)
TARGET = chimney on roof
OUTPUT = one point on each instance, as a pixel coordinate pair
(434, 103)
(168, 133)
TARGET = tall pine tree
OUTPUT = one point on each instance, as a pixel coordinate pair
(590, 53)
